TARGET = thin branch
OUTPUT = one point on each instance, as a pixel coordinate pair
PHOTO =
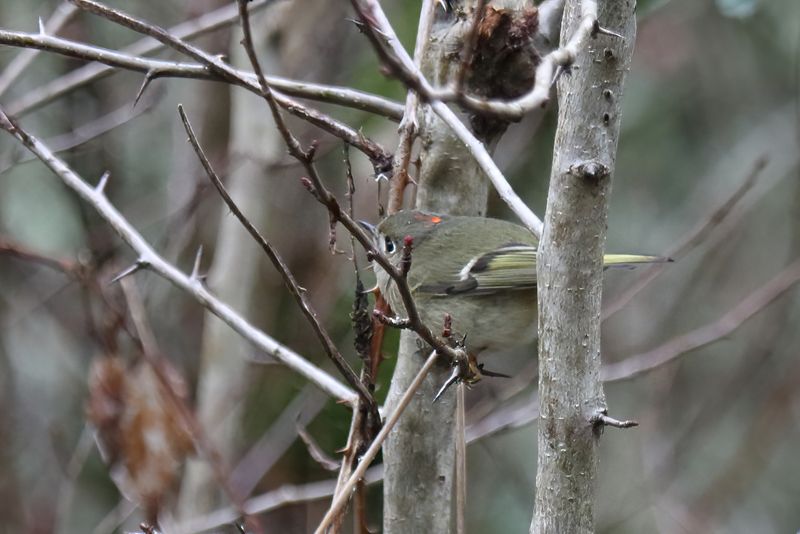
(20, 251)
(62, 15)
(271, 500)
(287, 276)
(316, 187)
(316, 452)
(408, 126)
(705, 335)
(375, 20)
(147, 255)
(87, 132)
(690, 240)
(190, 29)
(602, 419)
(358, 473)
(562, 57)
(154, 359)
(209, 68)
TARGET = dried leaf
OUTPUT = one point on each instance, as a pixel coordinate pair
(139, 429)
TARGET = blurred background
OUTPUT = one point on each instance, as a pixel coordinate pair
(712, 91)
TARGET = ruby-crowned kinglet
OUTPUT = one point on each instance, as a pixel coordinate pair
(480, 271)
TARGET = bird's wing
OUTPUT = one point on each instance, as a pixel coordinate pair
(511, 267)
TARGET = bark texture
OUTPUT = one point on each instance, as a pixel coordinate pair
(570, 271)
(419, 455)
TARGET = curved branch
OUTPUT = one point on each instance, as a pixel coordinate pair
(192, 285)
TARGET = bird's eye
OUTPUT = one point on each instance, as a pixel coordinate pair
(388, 245)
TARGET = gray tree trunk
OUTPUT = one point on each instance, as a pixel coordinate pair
(419, 455)
(570, 271)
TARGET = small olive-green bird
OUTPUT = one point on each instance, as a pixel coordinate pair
(481, 271)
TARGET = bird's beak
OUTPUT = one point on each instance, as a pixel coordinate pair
(371, 230)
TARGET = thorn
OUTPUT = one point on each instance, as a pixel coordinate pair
(41, 27)
(358, 24)
(455, 376)
(148, 77)
(597, 29)
(101, 185)
(138, 266)
(374, 290)
(602, 419)
(196, 268)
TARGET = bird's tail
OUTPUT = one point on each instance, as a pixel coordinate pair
(631, 260)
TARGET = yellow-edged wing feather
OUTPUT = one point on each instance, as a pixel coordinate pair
(512, 268)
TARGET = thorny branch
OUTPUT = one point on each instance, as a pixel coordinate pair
(62, 15)
(188, 30)
(288, 278)
(159, 68)
(150, 259)
(316, 187)
(209, 65)
(381, 33)
(374, 448)
(408, 126)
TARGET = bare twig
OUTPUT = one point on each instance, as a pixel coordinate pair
(288, 278)
(602, 419)
(705, 335)
(210, 67)
(152, 260)
(316, 187)
(158, 68)
(17, 250)
(316, 452)
(282, 496)
(88, 131)
(690, 240)
(62, 15)
(373, 16)
(461, 460)
(358, 473)
(408, 126)
(77, 78)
